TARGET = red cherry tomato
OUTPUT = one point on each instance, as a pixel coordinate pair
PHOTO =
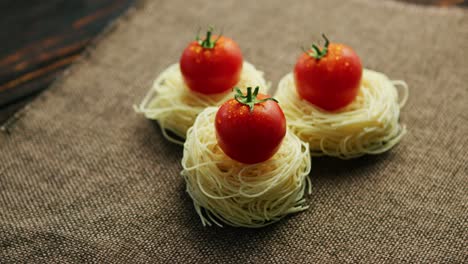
(212, 65)
(250, 129)
(329, 77)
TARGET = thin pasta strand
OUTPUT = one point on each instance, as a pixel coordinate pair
(226, 191)
(369, 125)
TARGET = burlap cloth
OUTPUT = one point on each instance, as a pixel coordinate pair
(85, 179)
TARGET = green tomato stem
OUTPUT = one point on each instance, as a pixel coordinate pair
(207, 43)
(250, 99)
(318, 53)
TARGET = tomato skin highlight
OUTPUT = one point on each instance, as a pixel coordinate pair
(212, 70)
(331, 82)
(250, 137)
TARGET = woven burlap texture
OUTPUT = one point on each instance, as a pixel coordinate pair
(85, 179)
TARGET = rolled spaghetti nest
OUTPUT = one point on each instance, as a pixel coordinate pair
(175, 106)
(226, 191)
(369, 125)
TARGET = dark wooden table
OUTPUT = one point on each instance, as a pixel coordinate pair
(39, 39)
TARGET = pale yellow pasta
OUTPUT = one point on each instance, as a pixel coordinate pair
(369, 125)
(229, 192)
(175, 106)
